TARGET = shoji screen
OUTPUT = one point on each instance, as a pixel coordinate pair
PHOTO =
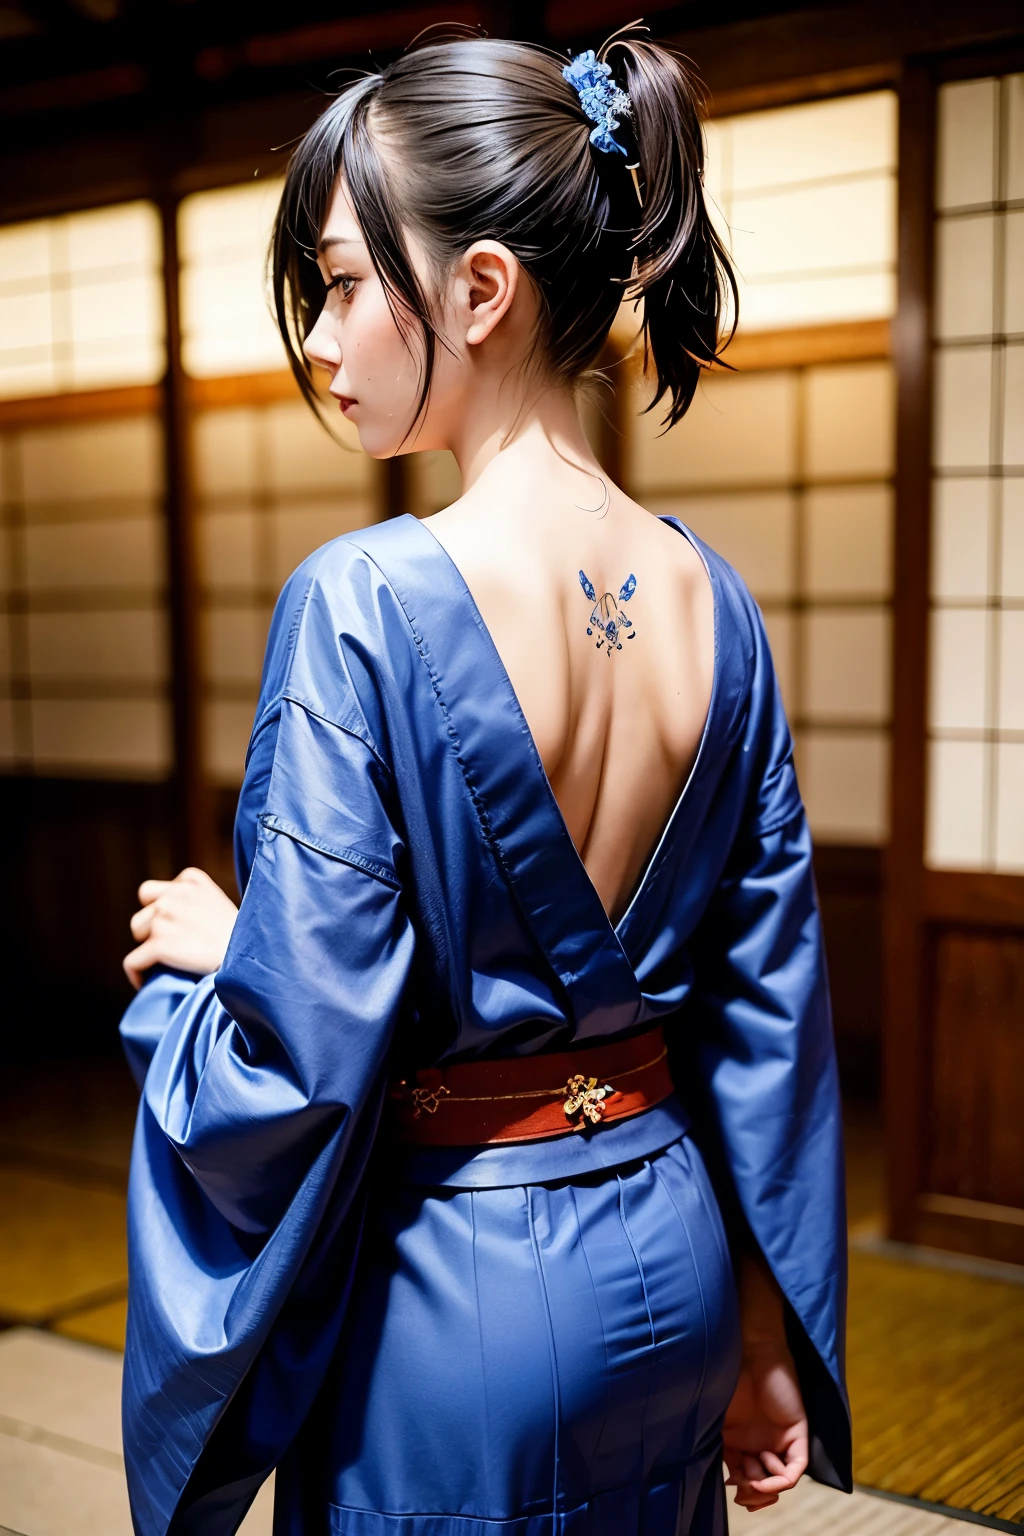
(80, 302)
(270, 484)
(83, 637)
(787, 471)
(226, 325)
(806, 198)
(86, 624)
(976, 694)
(271, 487)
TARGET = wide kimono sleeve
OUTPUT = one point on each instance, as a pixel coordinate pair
(760, 1046)
(259, 1110)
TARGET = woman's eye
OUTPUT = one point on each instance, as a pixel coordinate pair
(344, 283)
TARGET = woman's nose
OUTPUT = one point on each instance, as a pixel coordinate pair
(323, 346)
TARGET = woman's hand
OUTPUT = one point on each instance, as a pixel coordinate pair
(183, 923)
(765, 1434)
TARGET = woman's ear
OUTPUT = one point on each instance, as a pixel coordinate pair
(487, 278)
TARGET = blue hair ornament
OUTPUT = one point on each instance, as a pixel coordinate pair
(601, 99)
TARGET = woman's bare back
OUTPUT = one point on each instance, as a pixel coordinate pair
(617, 731)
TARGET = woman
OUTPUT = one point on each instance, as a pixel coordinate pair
(418, 1214)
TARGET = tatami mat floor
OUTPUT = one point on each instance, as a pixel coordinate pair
(61, 1472)
(936, 1357)
(935, 1360)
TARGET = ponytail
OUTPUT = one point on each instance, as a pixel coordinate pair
(470, 138)
(683, 275)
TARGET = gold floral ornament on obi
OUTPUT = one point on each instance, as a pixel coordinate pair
(428, 1095)
(583, 1097)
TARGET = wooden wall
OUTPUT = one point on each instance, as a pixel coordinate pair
(71, 858)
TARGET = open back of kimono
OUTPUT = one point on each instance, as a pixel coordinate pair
(512, 1340)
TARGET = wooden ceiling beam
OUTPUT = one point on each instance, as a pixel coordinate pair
(188, 132)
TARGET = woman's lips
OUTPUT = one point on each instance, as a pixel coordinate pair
(345, 404)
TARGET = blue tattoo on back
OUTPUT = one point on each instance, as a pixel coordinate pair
(607, 617)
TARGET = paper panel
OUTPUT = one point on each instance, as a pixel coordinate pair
(119, 552)
(816, 229)
(1013, 140)
(966, 143)
(227, 544)
(955, 815)
(1009, 850)
(233, 642)
(846, 664)
(965, 276)
(1012, 563)
(850, 420)
(845, 784)
(803, 300)
(849, 541)
(1013, 270)
(118, 457)
(755, 533)
(96, 737)
(224, 450)
(738, 431)
(227, 726)
(1011, 674)
(781, 628)
(296, 531)
(1013, 405)
(25, 254)
(23, 374)
(236, 218)
(814, 140)
(129, 645)
(963, 407)
(961, 521)
(119, 236)
(957, 668)
(303, 456)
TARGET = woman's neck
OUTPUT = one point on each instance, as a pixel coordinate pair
(544, 440)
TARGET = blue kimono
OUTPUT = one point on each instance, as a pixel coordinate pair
(518, 1340)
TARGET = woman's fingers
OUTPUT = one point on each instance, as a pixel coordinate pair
(163, 906)
(760, 1478)
(141, 923)
(796, 1457)
(139, 960)
(770, 1485)
(773, 1482)
(749, 1498)
(776, 1475)
(184, 923)
(150, 890)
(792, 1465)
(192, 876)
(774, 1465)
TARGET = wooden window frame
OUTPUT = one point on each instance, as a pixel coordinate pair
(920, 902)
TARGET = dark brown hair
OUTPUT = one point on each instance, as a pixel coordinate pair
(471, 138)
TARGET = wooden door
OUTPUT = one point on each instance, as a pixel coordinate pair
(955, 877)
